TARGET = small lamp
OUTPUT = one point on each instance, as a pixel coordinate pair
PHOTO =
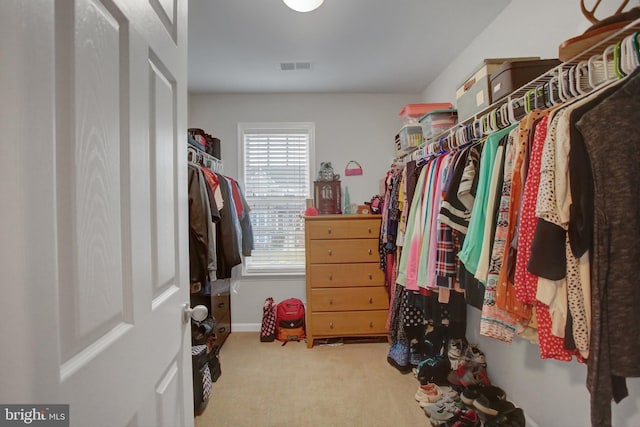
(303, 5)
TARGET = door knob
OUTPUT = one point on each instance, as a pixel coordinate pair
(197, 313)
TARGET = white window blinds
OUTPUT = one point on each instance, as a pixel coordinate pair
(276, 176)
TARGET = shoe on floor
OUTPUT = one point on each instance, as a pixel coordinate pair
(445, 392)
(468, 419)
(492, 406)
(442, 403)
(511, 418)
(468, 374)
(428, 393)
(473, 392)
(474, 355)
(456, 349)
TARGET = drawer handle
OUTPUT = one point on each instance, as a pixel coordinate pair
(329, 230)
(222, 330)
(369, 230)
(369, 251)
(330, 276)
(330, 302)
(330, 252)
(370, 300)
(331, 325)
(370, 276)
(371, 324)
(221, 305)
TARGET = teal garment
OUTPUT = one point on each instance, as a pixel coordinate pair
(469, 255)
(408, 234)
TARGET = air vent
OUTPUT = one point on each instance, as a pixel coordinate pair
(293, 66)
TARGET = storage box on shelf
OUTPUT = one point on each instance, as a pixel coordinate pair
(437, 121)
(411, 113)
(513, 74)
(409, 137)
(474, 94)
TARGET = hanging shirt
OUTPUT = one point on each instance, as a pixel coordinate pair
(611, 127)
(496, 322)
(470, 253)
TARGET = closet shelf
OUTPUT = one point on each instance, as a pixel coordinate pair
(527, 93)
(195, 155)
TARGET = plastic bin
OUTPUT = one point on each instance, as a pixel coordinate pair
(411, 113)
(410, 136)
(437, 121)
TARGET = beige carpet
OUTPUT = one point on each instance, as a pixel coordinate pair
(267, 385)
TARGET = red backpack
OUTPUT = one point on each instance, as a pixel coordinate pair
(290, 320)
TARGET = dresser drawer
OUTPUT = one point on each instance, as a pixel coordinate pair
(349, 322)
(344, 229)
(343, 251)
(332, 275)
(220, 306)
(341, 299)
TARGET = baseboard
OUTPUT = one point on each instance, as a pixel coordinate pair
(530, 422)
(245, 327)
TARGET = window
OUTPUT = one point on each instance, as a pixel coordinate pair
(275, 168)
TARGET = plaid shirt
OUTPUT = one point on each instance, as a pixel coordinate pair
(446, 259)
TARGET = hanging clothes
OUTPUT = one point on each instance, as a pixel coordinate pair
(610, 126)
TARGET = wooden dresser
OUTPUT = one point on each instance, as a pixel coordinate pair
(346, 295)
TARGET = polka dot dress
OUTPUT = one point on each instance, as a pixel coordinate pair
(525, 283)
(548, 208)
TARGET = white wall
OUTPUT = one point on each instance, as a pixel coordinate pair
(348, 126)
(552, 393)
(524, 28)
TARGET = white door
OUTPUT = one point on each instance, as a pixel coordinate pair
(93, 210)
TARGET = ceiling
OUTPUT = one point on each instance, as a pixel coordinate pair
(353, 46)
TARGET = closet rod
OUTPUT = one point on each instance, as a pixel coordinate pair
(523, 95)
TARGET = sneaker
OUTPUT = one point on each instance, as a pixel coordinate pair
(511, 418)
(492, 406)
(428, 393)
(433, 370)
(468, 374)
(443, 402)
(456, 349)
(468, 419)
(445, 413)
(473, 392)
(474, 355)
(445, 393)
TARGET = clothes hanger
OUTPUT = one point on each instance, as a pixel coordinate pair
(617, 60)
(629, 58)
(596, 69)
(580, 82)
(636, 47)
(606, 54)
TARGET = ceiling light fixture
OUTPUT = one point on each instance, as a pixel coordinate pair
(303, 5)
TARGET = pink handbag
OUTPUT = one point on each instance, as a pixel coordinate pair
(353, 168)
